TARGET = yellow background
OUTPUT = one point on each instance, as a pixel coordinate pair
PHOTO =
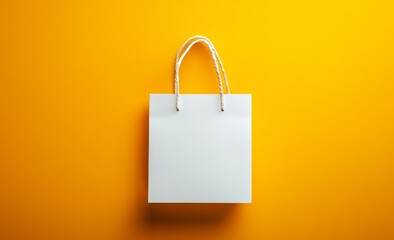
(74, 83)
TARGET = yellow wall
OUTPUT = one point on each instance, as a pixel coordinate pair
(74, 83)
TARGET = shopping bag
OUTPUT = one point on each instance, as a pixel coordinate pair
(200, 145)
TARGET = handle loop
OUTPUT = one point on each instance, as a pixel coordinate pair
(216, 59)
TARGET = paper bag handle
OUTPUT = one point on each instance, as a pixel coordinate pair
(216, 59)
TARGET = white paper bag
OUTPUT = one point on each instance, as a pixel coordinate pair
(200, 144)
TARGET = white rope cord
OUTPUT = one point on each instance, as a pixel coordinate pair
(216, 54)
(215, 57)
(179, 62)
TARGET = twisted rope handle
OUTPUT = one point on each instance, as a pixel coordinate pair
(216, 59)
(216, 55)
